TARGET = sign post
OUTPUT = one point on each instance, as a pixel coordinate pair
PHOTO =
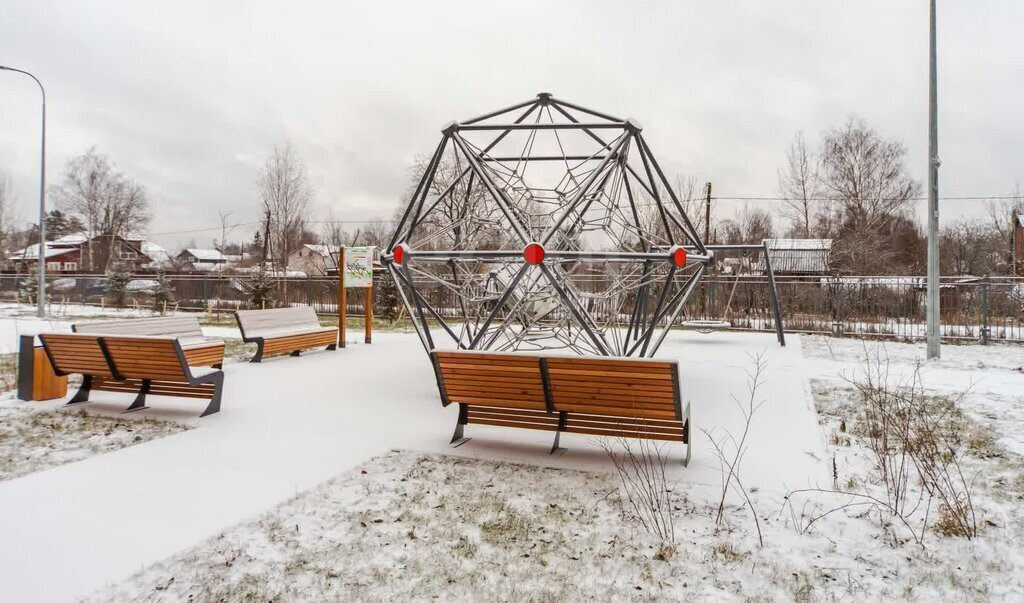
(355, 269)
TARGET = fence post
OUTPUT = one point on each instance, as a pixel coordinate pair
(837, 302)
(985, 282)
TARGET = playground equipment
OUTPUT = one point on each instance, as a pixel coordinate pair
(552, 226)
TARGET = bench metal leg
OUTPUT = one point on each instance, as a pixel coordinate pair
(218, 388)
(562, 416)
(296, 353)
(332, 347)
(458, 439)
(259, 352)
(686, 434)
(140, 400)
(82, 395)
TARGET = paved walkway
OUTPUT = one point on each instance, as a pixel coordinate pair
(291, 423)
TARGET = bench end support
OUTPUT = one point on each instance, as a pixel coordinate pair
(686, 435)
(82, 395)
(139, 402)
(218, 388)
(459, 438)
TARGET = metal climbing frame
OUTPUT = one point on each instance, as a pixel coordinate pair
(555, 227)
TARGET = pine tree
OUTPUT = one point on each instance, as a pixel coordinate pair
(387, 300)
(29, 286)
(119, 277)
(261, 289)
(163, 295)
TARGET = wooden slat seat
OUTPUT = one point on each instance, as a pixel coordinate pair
(616, 397)
(140, 365)
(504, 390)
(199, 350)
(284, 331)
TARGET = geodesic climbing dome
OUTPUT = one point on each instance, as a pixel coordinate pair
(545, 225)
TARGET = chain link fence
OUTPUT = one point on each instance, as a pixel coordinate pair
(980, 309)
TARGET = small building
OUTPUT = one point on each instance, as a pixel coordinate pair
(79, 253)
(799, 257)
(314, 260)
(202, 256)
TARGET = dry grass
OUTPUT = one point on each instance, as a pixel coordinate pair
(33, 440)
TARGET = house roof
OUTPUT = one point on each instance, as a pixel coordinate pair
(807, 256)
(156, 252)
(206, 255)
(1020, 218)
(32, 252)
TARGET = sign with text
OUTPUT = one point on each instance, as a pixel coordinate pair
(358, 267)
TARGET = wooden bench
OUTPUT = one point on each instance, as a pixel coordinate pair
(140, 365)
(505, 390)
(616, 397)
(199, 350)
(284, 331)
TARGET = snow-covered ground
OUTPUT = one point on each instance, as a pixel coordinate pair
(35, 436)
(291, 424)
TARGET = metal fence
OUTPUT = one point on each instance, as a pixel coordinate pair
(981, 309)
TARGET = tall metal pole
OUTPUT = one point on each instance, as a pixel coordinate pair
(933, 195)
(41, 305)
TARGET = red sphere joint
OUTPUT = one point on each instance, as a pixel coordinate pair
(399, 254)
(533, 254)
(679, 257)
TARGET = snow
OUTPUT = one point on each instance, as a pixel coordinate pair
(289, 425)
(34, 436)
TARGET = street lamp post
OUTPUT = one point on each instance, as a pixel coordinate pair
(41, 309)
(932, 307)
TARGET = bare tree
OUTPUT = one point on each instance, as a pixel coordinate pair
(1001, 214)
(285, 193)
(969, 246)
(866, 174)
(6, 200)
(332, 233)
(799, 186)
(225, 228)
(107, 202)
(750, 226)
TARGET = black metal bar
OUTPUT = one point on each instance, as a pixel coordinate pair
(541, 126)
(421, 301)
(584, 188)
(532, 101)
(570, 304)
(646, 150)
(496, 193)
(774, 295)
(459, 438)
(139, 402)
(545, 377)
(408, 210)
(678, 301)
(498, 306)
(659, 308)
(393, 271)
(559, 102)
(82, 395)
(545, 158)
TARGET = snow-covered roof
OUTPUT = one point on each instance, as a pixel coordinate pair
(1020, 218)
(798, 244)
(157, 253)
(324, 250)
(76, 238)
(206, 255)
(799, 256)
(32, 252)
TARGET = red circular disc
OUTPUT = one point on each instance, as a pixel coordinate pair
(534, 254)
(679, 257)
(399, 254)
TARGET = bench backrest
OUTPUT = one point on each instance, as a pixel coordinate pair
(156, 358)
(490, 379)
(75, 353)
(176, 326)
(621, 387)
(253, 323)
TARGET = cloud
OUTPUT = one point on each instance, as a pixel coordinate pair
(190, 97)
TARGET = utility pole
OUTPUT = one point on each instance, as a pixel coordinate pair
(933, 194)
(707, 213)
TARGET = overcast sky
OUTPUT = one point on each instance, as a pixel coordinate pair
(190, 97)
